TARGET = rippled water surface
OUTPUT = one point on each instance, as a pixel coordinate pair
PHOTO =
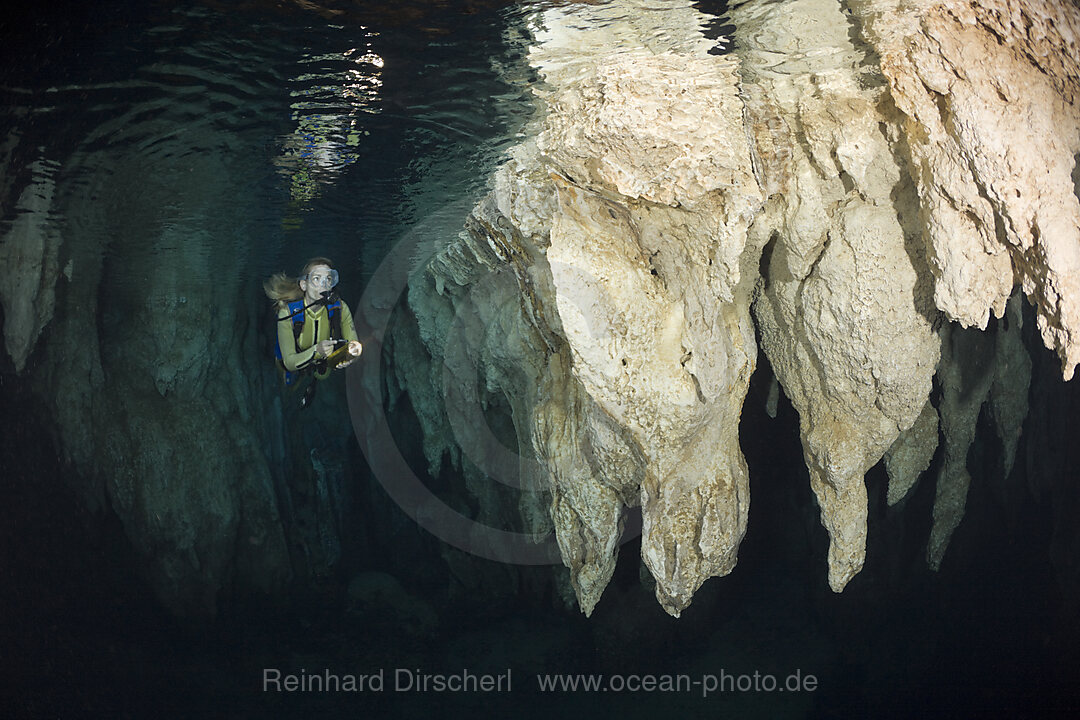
(284, 129)
(209, 139)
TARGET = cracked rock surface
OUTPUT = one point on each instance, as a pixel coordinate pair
(975, 83)
(844, 313)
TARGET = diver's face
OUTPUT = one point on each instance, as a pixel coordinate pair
(317, 281)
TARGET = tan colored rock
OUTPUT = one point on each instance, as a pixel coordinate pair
(647, 252)
(609, 273)
(586, 505)
(621, 231)
(842, 316)
(989, 94)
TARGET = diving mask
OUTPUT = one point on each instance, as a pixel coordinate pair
(322, 279)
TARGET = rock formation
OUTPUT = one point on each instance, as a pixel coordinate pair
(844, 314)
(146, 372)
(30, 253)
(621, 232)
(976, 82)
(854, 172)
(976, 368)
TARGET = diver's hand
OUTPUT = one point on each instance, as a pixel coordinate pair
(324, 348)
(355, 348)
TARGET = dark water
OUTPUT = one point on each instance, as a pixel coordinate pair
(326, 124)
(246, 137)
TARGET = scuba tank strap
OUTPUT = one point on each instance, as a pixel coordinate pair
(296, 312)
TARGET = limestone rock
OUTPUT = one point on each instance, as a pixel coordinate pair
(147, 360)
(1012, 381)
(649, 259)
(772, 400)
(618, 241)
(624, 237)
(977, 82)
(977, 369)
(844, 317)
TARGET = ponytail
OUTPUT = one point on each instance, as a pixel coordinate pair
(284, 289)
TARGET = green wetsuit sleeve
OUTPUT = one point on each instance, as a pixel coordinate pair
(347, 327)
(290, 358)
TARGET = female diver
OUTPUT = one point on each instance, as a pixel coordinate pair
(315, 332)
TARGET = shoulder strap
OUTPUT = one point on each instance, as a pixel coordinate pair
(297, 306)
(334, 309)
(296, 310)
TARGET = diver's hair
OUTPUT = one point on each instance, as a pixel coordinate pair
(283, 289)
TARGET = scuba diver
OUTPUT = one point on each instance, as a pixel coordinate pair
(315, 332)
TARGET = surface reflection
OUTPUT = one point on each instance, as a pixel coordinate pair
(331, 97)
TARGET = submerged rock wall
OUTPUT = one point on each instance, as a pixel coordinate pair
(858, 174)
(145, 374)
(143, 354)
(30, 253)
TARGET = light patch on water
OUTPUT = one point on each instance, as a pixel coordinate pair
(330, 102)
(569, 38)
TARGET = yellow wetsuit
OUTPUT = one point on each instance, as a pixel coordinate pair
(299, 353)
